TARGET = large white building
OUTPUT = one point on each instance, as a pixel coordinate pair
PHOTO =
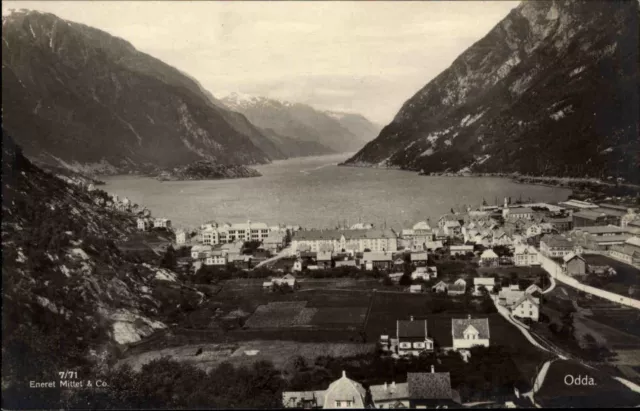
(347, 240)
(213, 233)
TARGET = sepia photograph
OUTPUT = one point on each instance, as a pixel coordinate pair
(320, 204)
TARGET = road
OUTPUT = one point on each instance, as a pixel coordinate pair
(548, 346)
(285, 252)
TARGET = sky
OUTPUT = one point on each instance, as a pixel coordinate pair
(365, 57)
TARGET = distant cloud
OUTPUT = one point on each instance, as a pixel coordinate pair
(367, 57)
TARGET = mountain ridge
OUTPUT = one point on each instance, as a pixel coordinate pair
(77, 95)
(339, 132)
(552, 77)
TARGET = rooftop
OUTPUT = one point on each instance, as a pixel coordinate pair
(556, 241)
(429, 386)
(387, 392)
(590, 214)
(458, 326)
(312, 235)
(602, 229)
(412, 329)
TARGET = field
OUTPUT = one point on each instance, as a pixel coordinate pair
(627, 275)
(246, 352)
(387, 308)
(342, 316)
(615, 327)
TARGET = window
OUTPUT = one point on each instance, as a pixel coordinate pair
(531, 313)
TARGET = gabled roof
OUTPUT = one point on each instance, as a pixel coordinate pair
(429, 386)
(412, 329)
(556, 241)
(488, 254)
(635, 240)
(422, 225)
(458, 326)
(526, 297)
(570, 257)
(440, 284)
(387, 392)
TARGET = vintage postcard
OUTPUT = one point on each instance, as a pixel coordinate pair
(320, 204)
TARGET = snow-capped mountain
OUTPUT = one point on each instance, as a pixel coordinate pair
(301, 122)
(551, 90)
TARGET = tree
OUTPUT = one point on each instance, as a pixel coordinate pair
(169, 260)
(386, 280)
(405, 279)
(287, 236)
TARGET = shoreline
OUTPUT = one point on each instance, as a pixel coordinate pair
(546, 181)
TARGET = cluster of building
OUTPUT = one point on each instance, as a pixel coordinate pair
(145, 223)
(412, 336)
(521, 304)
(422, 390)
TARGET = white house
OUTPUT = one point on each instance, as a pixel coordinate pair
(198, 251)
(162, 223)
(413, 337)
(488, 283)
(459, 287)
(384, 240)
(143, 224)
(525, 256)
(342, 393)
(423, 273)
(489, 258)
(216, 258)
(469, 332)
(526, 307)
(288, 279)
(181, 237)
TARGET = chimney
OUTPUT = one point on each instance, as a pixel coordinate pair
(393, 386)
(344, 374)
(386, 387)
(469, 316)
(432, 369)
(411, 318)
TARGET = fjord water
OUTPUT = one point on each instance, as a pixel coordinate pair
(315, 192)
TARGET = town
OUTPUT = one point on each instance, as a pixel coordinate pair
(486, 275)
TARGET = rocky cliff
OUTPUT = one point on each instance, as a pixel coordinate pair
(74, 95)
(304, 123)
(70, 295)
(551, 90)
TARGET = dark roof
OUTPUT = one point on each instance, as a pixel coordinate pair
(310, 235)
(411, 329)
(589, 214)
(459, 325)
(556, 241)
(429, 386)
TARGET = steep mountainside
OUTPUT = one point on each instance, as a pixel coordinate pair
(551, 90)
(298, 121)
(69, 293)
(76, 95)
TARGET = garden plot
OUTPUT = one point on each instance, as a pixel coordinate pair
(280, 314)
